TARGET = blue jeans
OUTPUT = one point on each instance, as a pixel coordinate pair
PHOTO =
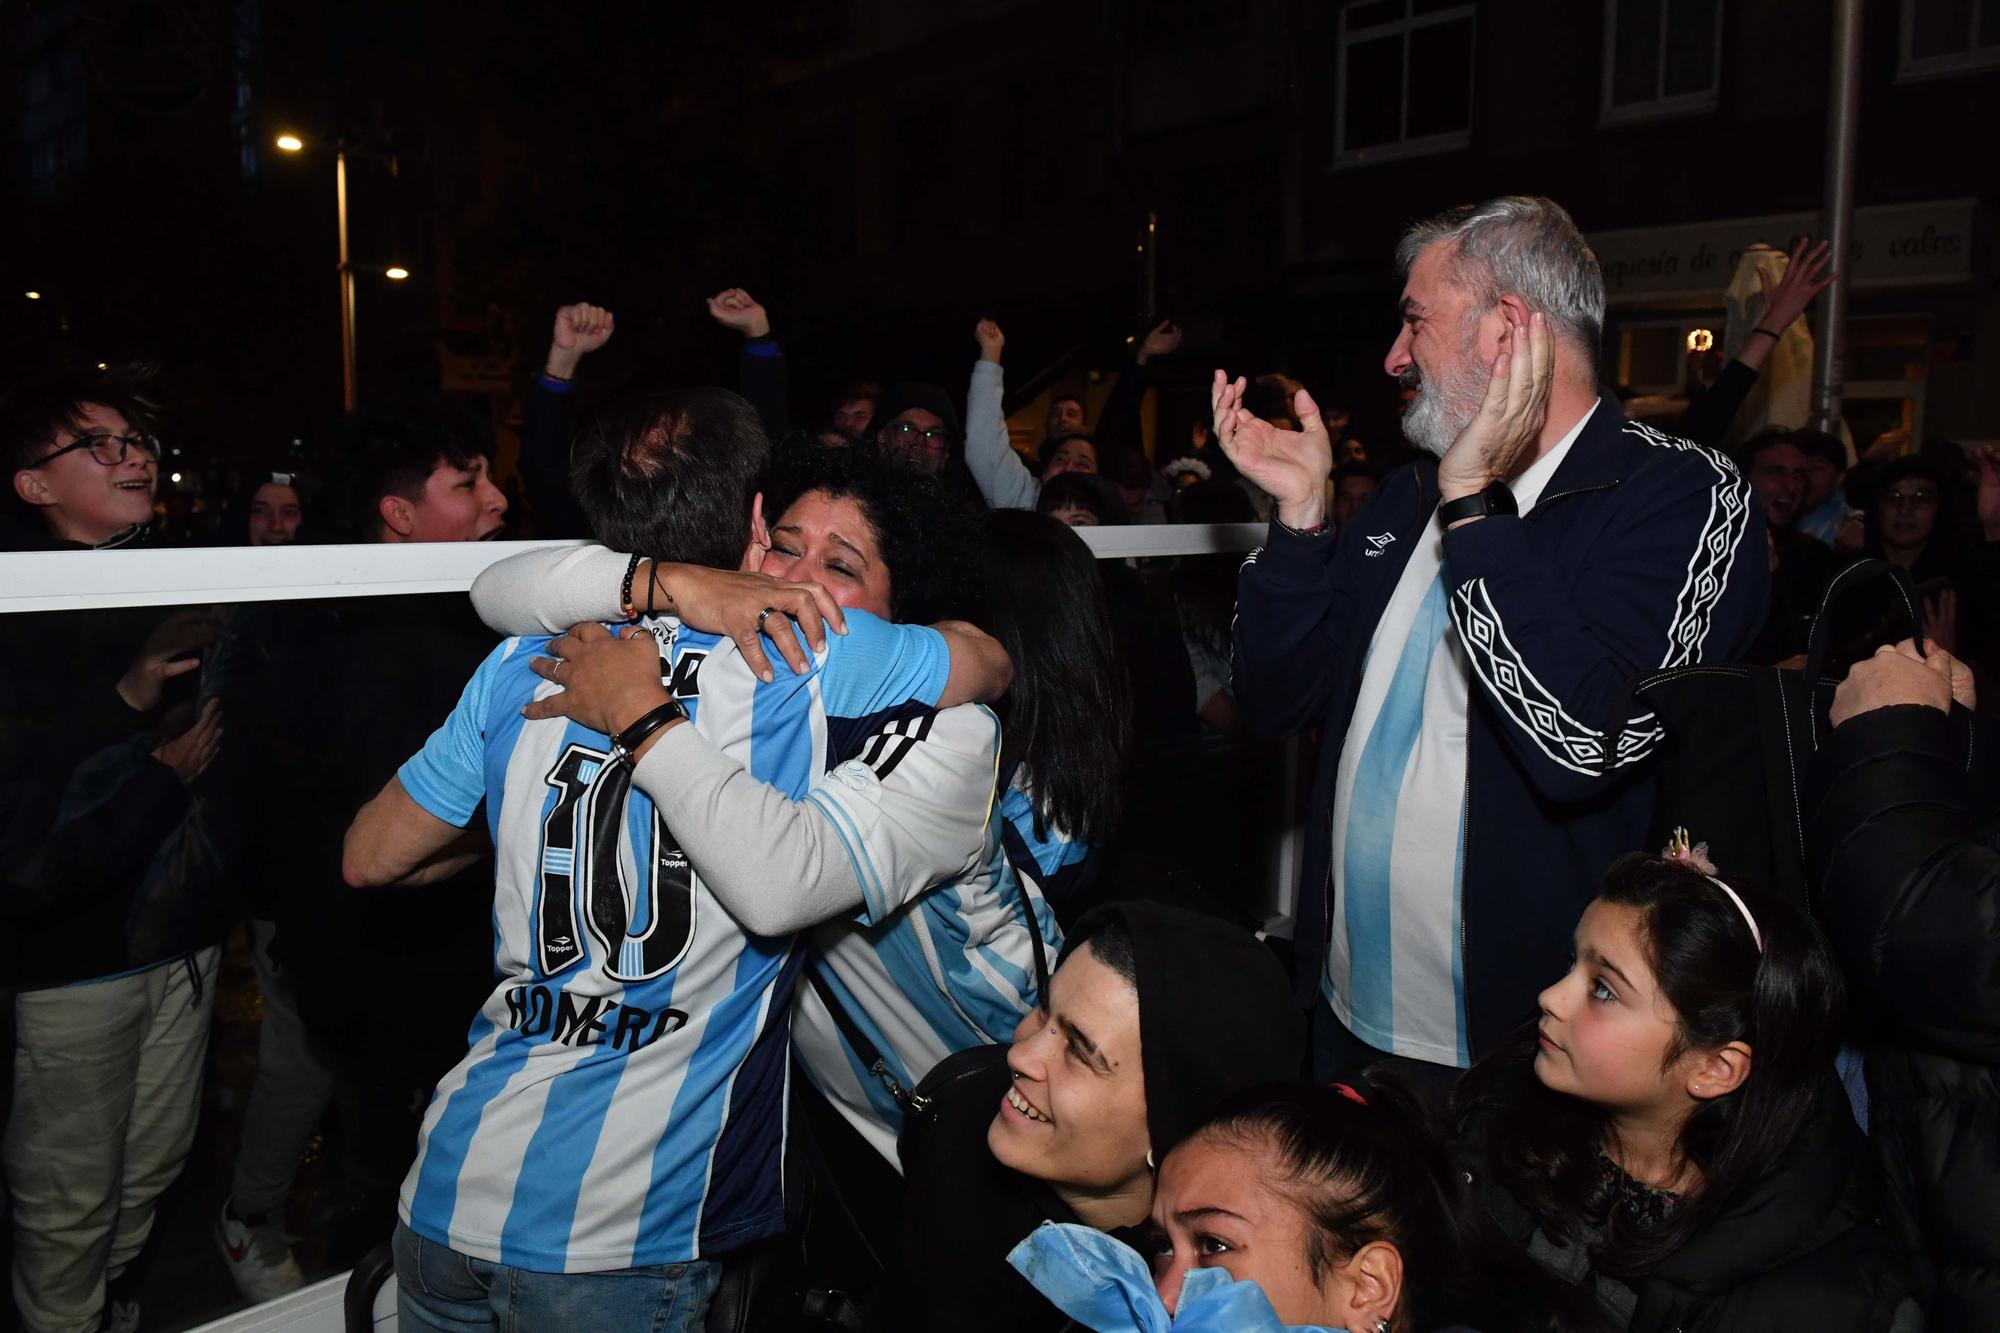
(443, 1291)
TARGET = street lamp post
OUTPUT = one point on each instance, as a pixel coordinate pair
(291, 143)
(346, 281)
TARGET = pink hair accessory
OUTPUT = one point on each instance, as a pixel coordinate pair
(1695, 858)
(1347, 1090)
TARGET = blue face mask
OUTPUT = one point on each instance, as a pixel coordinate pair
(1106, 1285)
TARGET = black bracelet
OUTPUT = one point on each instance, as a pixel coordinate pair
(630, 739)
(625, 589)
(1774, 337)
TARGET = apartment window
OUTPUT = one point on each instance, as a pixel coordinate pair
(1661, 58)
(1942, 37)
(1405, 80)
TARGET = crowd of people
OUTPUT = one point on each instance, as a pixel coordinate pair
(783, 910)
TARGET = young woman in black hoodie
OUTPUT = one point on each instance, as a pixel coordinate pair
(1671, 1136)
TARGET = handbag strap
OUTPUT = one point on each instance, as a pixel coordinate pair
(910, 1099)
(1819, 641)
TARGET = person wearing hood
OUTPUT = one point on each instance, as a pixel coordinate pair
(920, 425)
(1154, 1015)
(1671, 1136)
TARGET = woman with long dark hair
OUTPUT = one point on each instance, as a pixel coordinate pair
(1067, 718)
(1671, 1135)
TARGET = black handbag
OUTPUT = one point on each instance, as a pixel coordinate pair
(1738, 741)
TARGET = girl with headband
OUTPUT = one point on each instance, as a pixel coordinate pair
(1670, 1134)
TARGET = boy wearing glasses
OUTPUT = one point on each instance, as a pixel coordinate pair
(106, 909)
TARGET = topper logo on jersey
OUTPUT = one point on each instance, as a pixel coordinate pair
(638, 938)
(586, 1020)
(1379, 543)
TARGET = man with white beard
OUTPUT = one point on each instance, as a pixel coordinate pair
(1463, 646)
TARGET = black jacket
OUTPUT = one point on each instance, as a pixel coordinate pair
(962, 1213)
(105, 870)
(1799, 1250)
(1906, 854)
(1644, 551)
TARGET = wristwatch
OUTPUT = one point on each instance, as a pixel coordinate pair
(630, 739)
(1497, 498)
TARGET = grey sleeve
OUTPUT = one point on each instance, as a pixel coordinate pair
(774, 864)
(546, 591)
(1002, 477)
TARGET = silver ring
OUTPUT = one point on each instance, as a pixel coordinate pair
(767, 611)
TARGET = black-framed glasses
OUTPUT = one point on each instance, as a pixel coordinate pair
(106, 448)
(905, 432)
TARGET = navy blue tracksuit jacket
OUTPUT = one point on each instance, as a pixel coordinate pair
(1645, 551)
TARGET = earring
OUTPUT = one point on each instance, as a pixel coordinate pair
(1017, 1075)
(1150, 1164)
(1381, 1326)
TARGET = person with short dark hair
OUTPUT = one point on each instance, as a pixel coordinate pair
(1351, 486)
(421, 474)
(112, 904)
(1801, 566)
(854, 407)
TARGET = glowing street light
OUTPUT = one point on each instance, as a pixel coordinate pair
(33, 296)
(292, 143)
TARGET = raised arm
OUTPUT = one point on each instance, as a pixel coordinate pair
(1292, 612)
(549, 418)
(761, 373)
(1002, 477)
(1909, 890)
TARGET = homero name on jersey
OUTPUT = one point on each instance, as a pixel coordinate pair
(588, 1020)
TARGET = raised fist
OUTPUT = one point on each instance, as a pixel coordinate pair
(991, 339)
(737, 309)
(580, 330)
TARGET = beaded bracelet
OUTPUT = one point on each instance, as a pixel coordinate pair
(625, 605)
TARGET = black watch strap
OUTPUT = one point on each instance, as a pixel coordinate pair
(630, 739)
(1495, 499)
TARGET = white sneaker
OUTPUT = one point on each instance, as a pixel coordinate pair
(259, 1257)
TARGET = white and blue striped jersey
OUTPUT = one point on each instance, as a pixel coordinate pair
(927, 967)
(623, 1100)
(1055, 862)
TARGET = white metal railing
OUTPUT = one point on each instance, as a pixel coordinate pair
(80, 580)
